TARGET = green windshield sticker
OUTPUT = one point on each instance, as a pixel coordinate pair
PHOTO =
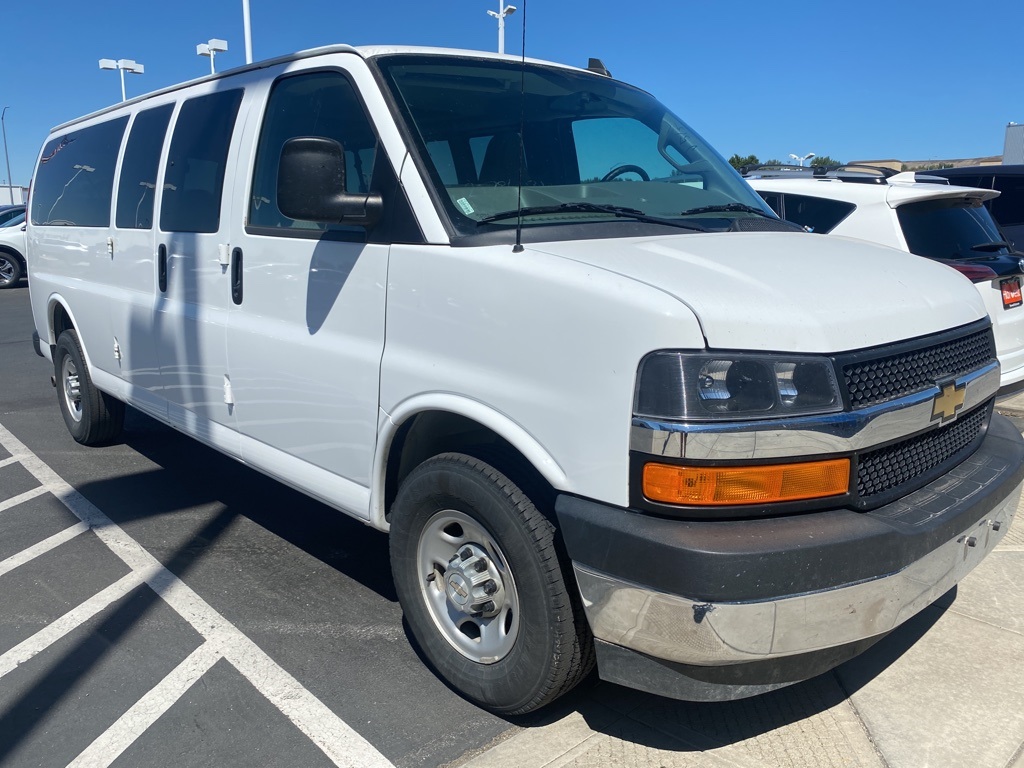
(463, 203)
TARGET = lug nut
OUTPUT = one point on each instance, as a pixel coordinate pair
(490, 587)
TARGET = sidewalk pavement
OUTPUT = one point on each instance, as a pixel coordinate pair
(946, 689)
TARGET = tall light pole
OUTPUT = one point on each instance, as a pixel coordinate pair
(503, 11)
(800, 159)
(211, 48)
(248, 31)
(3, 126)
(123, 65)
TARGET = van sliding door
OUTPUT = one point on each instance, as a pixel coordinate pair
(193, 290)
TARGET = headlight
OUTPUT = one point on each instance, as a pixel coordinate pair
(700, 386)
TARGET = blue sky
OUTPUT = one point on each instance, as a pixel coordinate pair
(908, 79)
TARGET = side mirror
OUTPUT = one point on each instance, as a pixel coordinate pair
(311, 185)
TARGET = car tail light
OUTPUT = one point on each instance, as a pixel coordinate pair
(976, 273)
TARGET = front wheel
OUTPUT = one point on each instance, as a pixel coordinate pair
(480, 578)
(92, 417)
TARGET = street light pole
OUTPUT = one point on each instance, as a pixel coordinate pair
(211, 48)
(503, 11)
(132, 67)
(800, 159)
(3, 127)
(248, 31)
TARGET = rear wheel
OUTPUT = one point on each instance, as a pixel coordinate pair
(92, 417)
(10, 270)
(481, 581)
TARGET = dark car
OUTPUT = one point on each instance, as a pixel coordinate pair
(1008, 208)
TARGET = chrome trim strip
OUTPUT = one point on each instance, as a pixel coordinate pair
(672, 627)
(807, 435)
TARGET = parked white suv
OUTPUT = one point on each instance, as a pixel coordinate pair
(920, 214)
(521, 317)
(12, 253)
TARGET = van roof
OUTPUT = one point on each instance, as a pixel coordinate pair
(365, 51)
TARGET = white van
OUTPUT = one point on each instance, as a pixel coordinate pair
(521, 317)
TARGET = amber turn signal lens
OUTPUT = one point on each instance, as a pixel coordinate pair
(714, 486)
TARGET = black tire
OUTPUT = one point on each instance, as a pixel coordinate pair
(10, 270)
(92, 417)
(552, 648)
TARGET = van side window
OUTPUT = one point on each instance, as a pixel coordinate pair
(316, 104)
(136, 189)
(195, 164)
(75, 179)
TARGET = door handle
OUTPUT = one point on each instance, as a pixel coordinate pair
(161, 267)
(236, 275)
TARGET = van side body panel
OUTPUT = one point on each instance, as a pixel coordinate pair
(549, 354)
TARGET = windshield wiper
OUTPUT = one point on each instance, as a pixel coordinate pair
(995, 245)
(727, 207)
(611, 210)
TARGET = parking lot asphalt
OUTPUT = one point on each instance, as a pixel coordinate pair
(161, 605)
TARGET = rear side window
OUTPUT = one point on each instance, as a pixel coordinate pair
(75, 178)
(1008, 208)
(196, 161)
(136, 189)
(815, 214)
(774, 200)
(9, 215)
(947, 229)
(315, 104)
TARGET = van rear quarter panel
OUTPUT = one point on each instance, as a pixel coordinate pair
(550, 344)
(72, 263)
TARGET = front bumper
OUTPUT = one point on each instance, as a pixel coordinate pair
(717, 593)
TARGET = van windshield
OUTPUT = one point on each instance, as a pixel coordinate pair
(586, 149)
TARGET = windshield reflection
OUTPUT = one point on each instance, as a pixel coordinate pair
(583, 147)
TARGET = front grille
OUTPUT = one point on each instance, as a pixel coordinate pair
(890, 467)
(884, 378)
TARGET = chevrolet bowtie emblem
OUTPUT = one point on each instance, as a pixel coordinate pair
(948, 401)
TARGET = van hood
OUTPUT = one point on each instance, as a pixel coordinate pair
(790, 292)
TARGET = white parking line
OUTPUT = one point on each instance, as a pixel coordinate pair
(21, 498)
(69, 622)
(44, 546)
(5, 462)
(147, 710)
(322, 726)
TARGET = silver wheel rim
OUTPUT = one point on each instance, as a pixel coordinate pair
(6, 270)
(485, 636)
(72, 388)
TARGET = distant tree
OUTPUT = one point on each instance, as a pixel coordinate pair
(773, 161)
(924, 167)
(738, 162)
(825, 160)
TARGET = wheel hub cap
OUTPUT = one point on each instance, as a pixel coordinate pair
(473, 584)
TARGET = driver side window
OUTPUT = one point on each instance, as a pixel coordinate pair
(313, 104)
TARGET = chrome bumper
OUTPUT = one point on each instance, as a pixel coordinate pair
(674, 628)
